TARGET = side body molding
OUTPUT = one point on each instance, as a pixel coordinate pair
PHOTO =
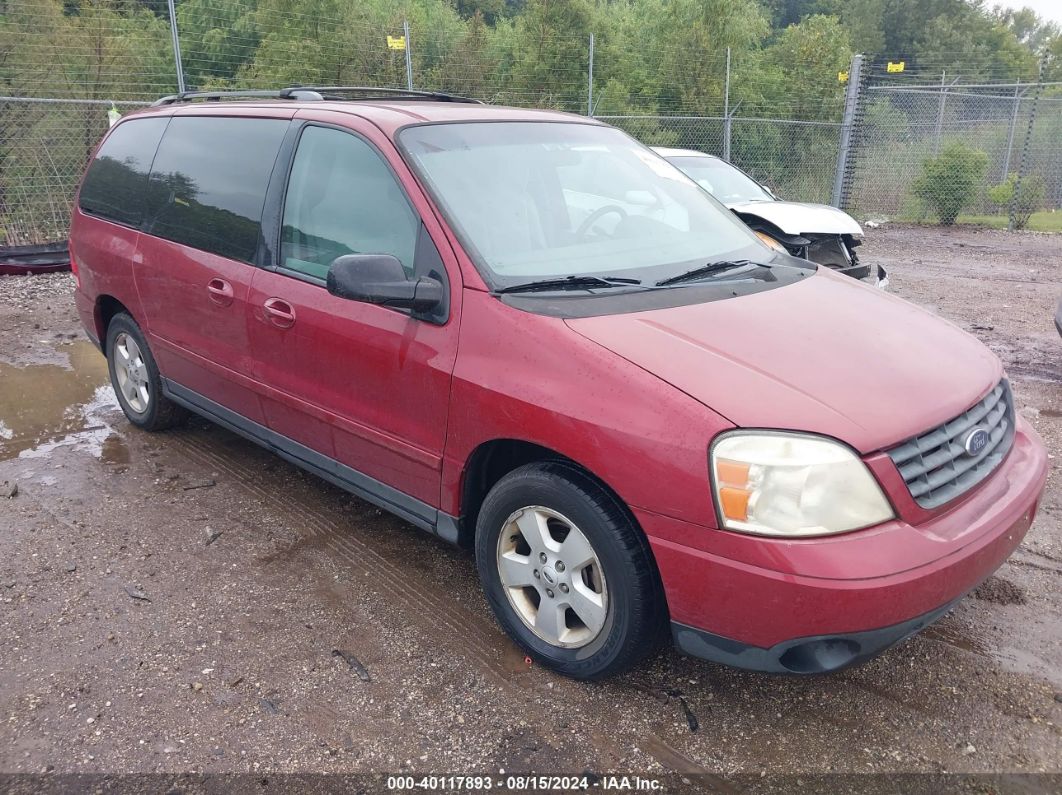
(380, 494)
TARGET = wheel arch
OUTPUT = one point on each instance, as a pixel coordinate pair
(492, 460)
(107, 306)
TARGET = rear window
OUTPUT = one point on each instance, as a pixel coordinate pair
(208, 184)
(114, 186)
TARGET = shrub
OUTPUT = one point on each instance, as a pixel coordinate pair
(1030, 196)
(949, 181)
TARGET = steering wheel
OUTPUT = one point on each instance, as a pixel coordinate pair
(597, 215)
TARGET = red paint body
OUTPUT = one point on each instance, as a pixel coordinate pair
(634, 398)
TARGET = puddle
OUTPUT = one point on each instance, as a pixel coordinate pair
(45, 406)
(956, 633)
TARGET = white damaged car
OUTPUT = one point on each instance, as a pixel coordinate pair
(816, 232)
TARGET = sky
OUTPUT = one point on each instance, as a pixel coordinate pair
(1047, 9)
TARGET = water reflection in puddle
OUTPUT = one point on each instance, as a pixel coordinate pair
(46, 406)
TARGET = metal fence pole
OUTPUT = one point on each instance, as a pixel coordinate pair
(1010, 132)
(178, 65)
(851, 101)
(940, 111)
(409, 58)
(590, 80)
(726, 110)
(1023, 163)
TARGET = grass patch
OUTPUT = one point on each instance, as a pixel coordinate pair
(1043, 221)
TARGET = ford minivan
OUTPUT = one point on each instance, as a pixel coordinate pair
(530, 335)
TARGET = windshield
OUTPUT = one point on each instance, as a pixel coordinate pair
(728, 184)
(542, 200)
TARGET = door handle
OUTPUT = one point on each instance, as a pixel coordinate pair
(279, 312)
(220, 292)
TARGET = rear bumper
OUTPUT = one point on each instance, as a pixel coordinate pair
(818, 605)
(86, 311)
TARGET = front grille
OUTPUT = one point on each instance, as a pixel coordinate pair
(936, 466)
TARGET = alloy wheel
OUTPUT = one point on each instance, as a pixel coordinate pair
(552, 577)
(130, 371)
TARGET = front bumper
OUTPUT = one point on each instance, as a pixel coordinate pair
(815, 605)
(876, 276)
(814, 655)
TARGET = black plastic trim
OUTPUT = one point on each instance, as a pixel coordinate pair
(380, 494)
(268, 253)
(817, 654)
(856, 271)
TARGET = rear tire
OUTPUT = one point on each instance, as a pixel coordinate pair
(567, 573)
(136, 378)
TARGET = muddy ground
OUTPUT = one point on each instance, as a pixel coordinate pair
(174, 602)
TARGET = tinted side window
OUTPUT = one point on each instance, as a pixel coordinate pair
(115, 185)
(209, 180)
(343, 199)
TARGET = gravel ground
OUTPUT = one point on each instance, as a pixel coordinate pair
(188, 603)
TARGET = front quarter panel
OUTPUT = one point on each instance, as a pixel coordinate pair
(528, 377)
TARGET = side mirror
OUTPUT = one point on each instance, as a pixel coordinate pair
(381, 279)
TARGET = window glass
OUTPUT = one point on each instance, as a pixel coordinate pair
(343, 199)
(116, 181)
(543, 200)
(209, 181)
(722, 180)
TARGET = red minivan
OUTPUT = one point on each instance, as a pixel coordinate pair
(526, 333)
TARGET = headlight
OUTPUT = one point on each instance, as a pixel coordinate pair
(770, 241)
(793, 485)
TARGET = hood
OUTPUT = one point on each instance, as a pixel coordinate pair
(796, 218)
(826, 355)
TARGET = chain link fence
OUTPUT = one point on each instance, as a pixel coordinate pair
(867, 151)
(974, 137)
(44, 146)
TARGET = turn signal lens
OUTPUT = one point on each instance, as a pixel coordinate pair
(793, 485)
(771, 242)
(735, 503)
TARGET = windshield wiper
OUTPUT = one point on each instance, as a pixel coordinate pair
(710, 269)
(569, 283)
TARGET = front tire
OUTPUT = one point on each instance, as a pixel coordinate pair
(567, 573)
(136, 378)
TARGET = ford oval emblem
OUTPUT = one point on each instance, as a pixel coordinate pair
(975, 441)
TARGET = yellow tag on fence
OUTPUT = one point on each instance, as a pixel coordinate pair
(895, 67)
(396, 42)
(842, 77)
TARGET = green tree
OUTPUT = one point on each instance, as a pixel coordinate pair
(218, 38)
(549, 52)
(803, 66)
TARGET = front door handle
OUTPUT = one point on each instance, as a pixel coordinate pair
(279, 312)
(220, 292)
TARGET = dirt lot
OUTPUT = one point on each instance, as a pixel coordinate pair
(173, 603)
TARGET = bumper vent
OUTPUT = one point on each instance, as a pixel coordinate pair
(951, 459)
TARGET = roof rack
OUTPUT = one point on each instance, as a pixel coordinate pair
(316, 94)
